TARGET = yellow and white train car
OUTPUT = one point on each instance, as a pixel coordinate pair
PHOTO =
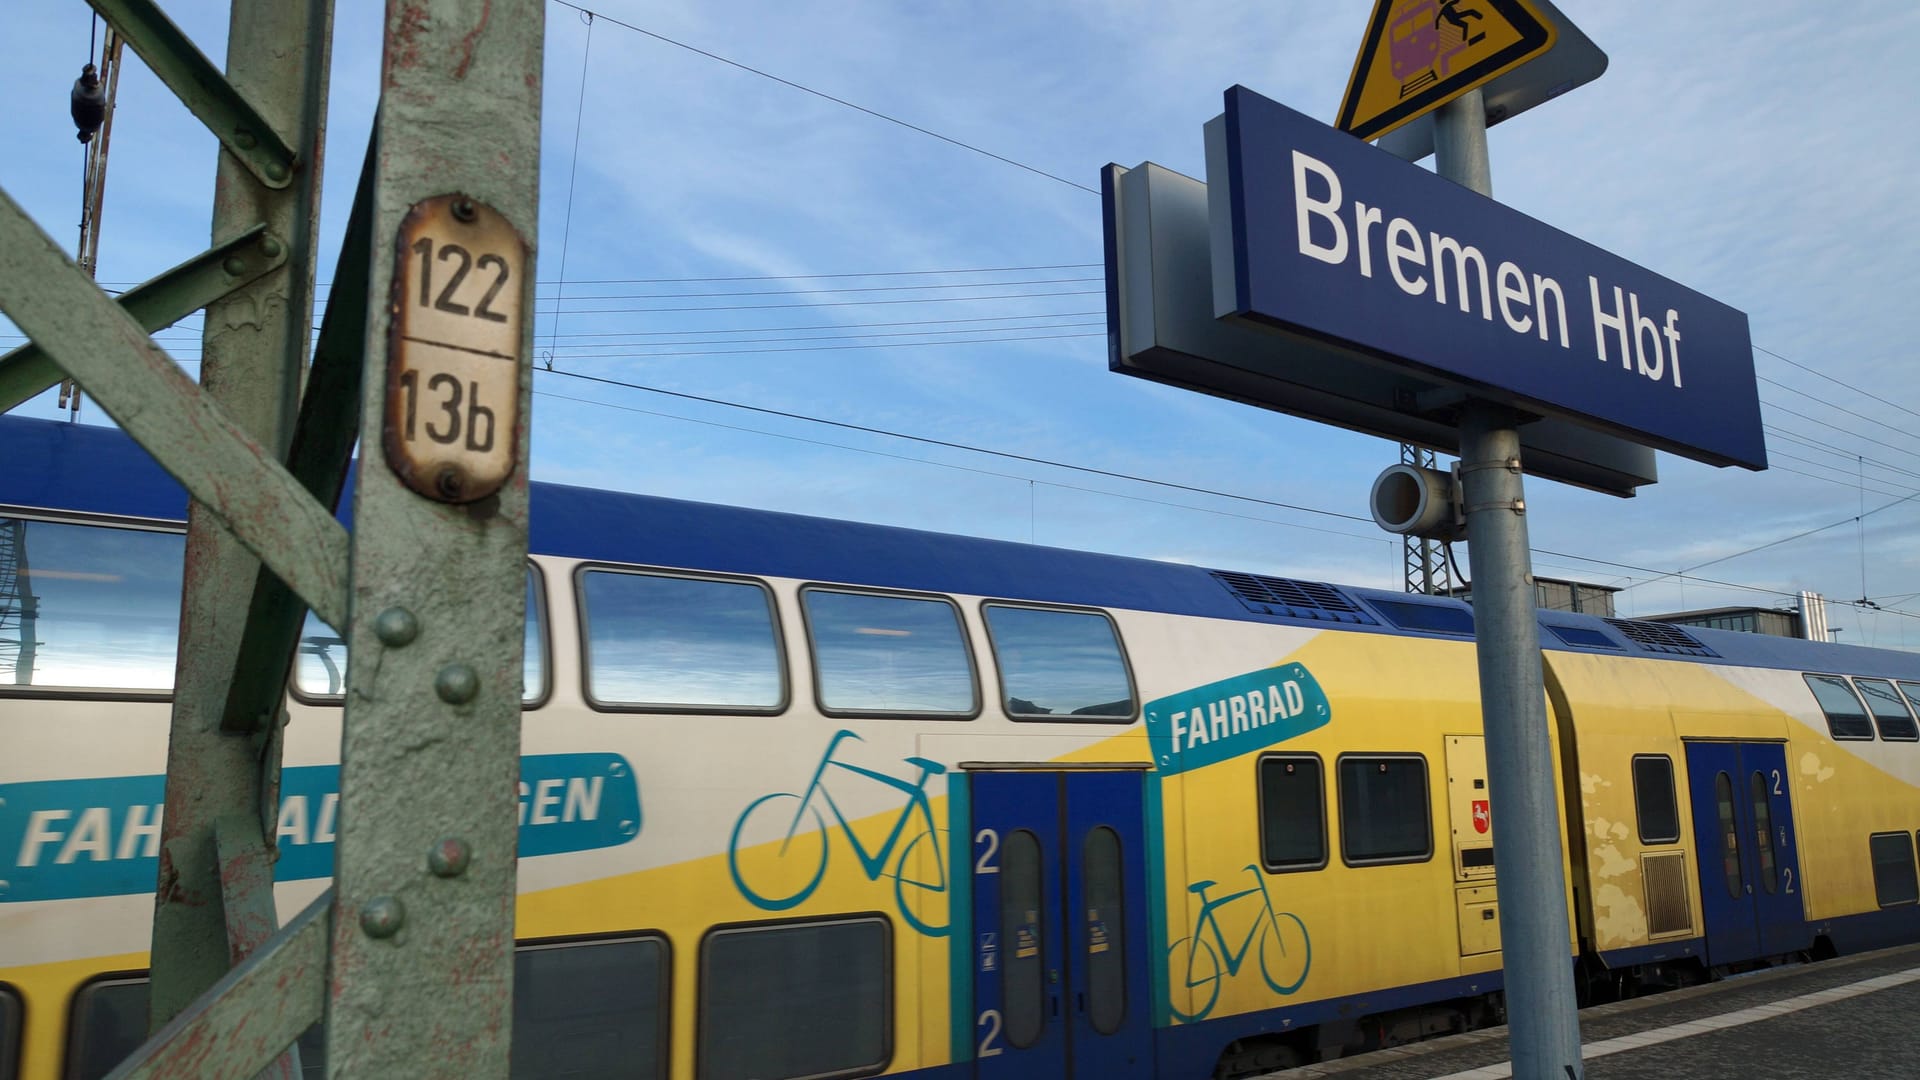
(803, 798)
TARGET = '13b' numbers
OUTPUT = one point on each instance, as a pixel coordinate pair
(453, 372)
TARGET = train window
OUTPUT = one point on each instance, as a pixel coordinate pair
(10, 1017)
(88, 607)
(1106, 930)
(1729, 833)
(1653, 799)
(663, 641)
(1293, 813)
(1911, 691)
(579, 1009)
(1763, 832)
(831, 984)
(1846, 717)
(110, 1022)
(320, 662)
(1890, 712)
(1384, 813)
(595, 1008)
(1894, 882)
(877, 653)
(1059, 665)
(1023, 973)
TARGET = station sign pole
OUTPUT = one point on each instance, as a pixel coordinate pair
(1543, 1028)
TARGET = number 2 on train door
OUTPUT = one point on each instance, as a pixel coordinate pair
(1059, 957)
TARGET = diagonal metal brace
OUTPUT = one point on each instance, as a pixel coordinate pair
(322, 447)
(202, 87)
(244, 1022)
(246, 900)
(156, 304)
(99, 344)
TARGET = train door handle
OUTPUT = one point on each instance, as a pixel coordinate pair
(1080, 1003)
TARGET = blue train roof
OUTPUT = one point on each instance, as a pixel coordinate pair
(99, 470)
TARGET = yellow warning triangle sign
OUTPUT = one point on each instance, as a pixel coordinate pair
(1420, 54)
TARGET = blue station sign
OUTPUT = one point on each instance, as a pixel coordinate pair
(1346, 244)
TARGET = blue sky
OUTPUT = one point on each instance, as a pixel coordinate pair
(1752, 152)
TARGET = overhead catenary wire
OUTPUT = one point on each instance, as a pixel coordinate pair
(832, 326)
(950, 465)
(811, 292)
(1837, 408)
(823, 95)
(1853, 434)
(1846, 483)
(1657, 575)
(1837, 382)
(767, 277)
(561, 298)
(573, 172)
(925, 440)
(183, 358)
(585, 350)
(1685, 574)
(829, 303)
(189, 334)
(1818, 446)
(1654, 575)
(1858, 483)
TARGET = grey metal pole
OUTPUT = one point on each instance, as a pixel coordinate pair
(1543, 1025)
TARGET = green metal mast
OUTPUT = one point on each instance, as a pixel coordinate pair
(424, 352)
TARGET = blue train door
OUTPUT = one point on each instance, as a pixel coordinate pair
(1060, 964)
(1749, 861)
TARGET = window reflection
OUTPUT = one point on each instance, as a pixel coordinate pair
(898, 654)
(1846, 719)
(655, 640)
(1059, 665)
(320, 661)
(1889, 709)
(88, 605)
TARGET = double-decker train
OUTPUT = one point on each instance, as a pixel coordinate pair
(808, 798)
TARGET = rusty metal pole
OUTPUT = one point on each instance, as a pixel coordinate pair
(421, 975)
(253, 356)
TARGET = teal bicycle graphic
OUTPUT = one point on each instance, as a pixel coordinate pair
(1195, 962)
(782, 877)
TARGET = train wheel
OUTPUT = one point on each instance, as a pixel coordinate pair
(776, 870)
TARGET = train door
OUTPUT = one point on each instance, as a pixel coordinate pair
(1749, 860)
(1060, 962)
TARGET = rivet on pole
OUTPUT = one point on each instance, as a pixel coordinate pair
(449, 857)
(456, 684)
(382, 916)
(395, 627)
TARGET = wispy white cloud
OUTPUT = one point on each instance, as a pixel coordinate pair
(1746, 153)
